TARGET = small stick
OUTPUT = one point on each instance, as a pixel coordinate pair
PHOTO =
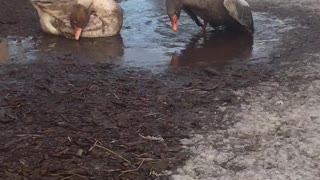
(34, 135)
(114, 153)
(67, 177)
(95, 143)
(133, 170)
(113, 170)
(148, 159)
(152, 138)
(140, 78)
(4, 97)
(73, 175)
(116, 95)
(110, 151)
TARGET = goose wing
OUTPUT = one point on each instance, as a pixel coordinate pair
(105, 23)
(192, 16)
(240, 11)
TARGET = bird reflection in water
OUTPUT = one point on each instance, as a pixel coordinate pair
(95, 50)
(219, 49)
(3, 50)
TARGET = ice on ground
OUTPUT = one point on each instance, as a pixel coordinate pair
(272, 140)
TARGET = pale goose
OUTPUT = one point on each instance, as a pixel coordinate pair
(79, 18)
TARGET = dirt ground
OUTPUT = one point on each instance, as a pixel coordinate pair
(64, 120)
(277, 133)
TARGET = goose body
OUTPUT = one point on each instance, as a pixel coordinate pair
(233, 14)
(104, 17)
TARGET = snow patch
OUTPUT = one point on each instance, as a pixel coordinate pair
(277, 137)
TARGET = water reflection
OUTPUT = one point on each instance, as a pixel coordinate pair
(219, 49)
(48, 48)
(3, 50)
(148, 42)
(96, 50)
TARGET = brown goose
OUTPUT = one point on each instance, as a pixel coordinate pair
(233, 14)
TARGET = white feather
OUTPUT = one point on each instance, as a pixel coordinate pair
(51, 10)
(243, 3)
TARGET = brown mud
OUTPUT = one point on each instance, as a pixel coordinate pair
(61, 119)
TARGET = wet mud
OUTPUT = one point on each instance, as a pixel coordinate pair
(146, 41)
(116, 108)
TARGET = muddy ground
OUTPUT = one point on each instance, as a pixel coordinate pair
(67, 120)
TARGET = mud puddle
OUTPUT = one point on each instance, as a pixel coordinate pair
(146, 41)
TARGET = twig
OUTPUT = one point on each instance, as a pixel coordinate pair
(4, 97)
(73, 175)
(152, 138)
(154, 173)
(67, 177)
(34, 135)
(110, 151)
(133, 170)
(148, 159)
(95, 143)
(139, 78)
(116, 95)
(113, 170)
(174, 136)
(114, 153)
(152, 114)
(192, 87)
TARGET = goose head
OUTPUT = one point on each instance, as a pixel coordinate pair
(79, 19)
(174, 8)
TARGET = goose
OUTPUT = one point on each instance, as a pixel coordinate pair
(233, 14)
(79, 18)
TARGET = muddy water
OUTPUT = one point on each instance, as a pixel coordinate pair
(147, 41)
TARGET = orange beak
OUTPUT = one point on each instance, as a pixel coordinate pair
(174, 22)
(77, 33)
